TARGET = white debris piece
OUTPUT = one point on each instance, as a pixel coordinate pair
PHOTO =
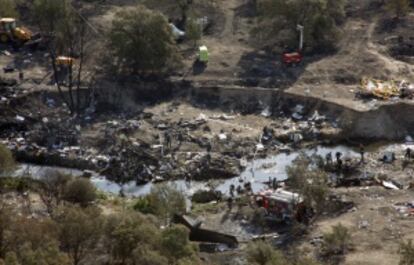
(297, 116)
(201, 117)
(19, 118)
(222, 136)
(259, 147)
(266, 112)
(177, 33)
(389, 185)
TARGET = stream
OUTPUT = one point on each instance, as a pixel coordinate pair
(257, 172)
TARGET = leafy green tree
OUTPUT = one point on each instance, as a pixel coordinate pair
(31, 232)
(337, 242)
(8, 8)
(310, 182)
(175, 242)
(47, 255)
(165, 201)
(126, 232)
(406, 253)
(399, 8)
(143, 255)
(79, 231)
(7, 163)
(81, 191)
(142, 42)
(320, 18)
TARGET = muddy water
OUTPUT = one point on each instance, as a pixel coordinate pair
(257, 172)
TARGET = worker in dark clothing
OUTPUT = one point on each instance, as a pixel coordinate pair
(408, 153)
(274, 184)
(239, 189)
(338, 156)
(168, 140)
(339, 164)
(208, 147)
(232, 188)
(328, 158)
(230, 203)
(180, 138)
(362, 152)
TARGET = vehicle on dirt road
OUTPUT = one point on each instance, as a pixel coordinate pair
(11, 33)
(292, 58)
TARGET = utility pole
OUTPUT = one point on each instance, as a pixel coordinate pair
(300, 29)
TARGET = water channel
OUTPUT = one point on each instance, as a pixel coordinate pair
(257, 172)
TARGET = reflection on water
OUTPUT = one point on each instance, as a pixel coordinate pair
(257, 172)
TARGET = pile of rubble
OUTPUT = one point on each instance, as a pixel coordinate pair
(386, 89)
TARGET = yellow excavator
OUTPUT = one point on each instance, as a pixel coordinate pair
(11, 33)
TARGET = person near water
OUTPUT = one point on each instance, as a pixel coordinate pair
(328, 158)
(362, 152)
(408, 153)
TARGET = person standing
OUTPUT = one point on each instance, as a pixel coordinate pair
(408, 153)
(362, 152)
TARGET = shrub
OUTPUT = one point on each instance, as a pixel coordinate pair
(127, 235)
(398, 7)
(262, 253)
(337, 242)
(406, 253)
(7, 163)
(165, 201)
(8, 8)
(143, 205)
(175, 242)
(320, 18)
(81, 191)
(193, 31)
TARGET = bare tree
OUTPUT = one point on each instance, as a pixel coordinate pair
(52, 189)
(67, 31)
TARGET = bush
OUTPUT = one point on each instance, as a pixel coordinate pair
(8, 8)
(406, 253)
(399, 8)
(7, 163)
(262, 253)
(143, 205)
(126, 232)
(142, 42)
(175, 242)
(81, 191)
(163, 201)
(337, 242)
(193, 31)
